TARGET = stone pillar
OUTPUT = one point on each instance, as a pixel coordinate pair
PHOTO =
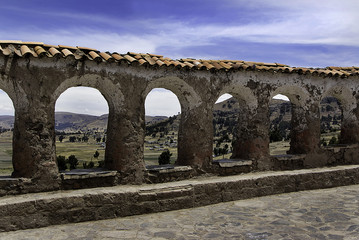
(349, 133)
(125, 139)
(195, 137)
(34, 152)
(305, 133)
(251, 140)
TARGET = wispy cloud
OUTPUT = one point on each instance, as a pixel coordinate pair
(162, 102)
(298, 32)
(83, 100)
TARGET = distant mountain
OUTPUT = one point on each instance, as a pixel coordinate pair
(225, 118)
(73, 122)
(6, 122)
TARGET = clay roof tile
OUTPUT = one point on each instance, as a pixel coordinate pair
(165, 61)
(40, 51)
(225, 65)
(133, 53)
(208, 65)
(54, 51)
(155, 55)
(216, 65)
(25, 51)
(142, 61)
(95, 56)
(50, 46)
(105, 56)
(190, 65)
(159, 62)
(117, 56)
(10, 42)
(33, 43)
(129, 58)
(149, 60)
(6, 51)
(87, 49)
(67, 52)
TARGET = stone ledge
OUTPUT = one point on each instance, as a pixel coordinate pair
(87, 173)
(168, 173)
(228, 163)
(168, 168)
(61, 207)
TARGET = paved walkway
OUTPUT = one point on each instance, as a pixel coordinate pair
(319, 214)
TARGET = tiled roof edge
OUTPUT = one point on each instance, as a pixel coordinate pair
(39, 49)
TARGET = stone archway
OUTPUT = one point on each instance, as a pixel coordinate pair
(349, 132)
(305, 124)
(162, 125)
(193, 129)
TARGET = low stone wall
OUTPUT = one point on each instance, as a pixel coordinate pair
(60, 207)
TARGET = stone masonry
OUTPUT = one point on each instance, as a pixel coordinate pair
(34, 75)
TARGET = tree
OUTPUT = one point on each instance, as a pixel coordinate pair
(275, 135)
(61, 163)
(333, 140)
(98, 139)
(72, 160)
(72, 139)
(165, 157)
(215, 151)
(61, 137)
(96, 154)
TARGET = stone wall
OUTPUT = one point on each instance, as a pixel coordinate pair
(34, 84)
(44, 209)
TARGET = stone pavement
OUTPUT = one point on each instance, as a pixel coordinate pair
(318, 214)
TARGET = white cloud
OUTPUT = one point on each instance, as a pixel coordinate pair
(83, 100)
(6, 105)
(162, 102)
(224, 97)
(281, 97)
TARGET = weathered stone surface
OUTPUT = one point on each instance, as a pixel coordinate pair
(35, 83)
(317, 214)
(43, 209)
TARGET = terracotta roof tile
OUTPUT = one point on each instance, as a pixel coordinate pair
(39, 49)
(67, 52)
(129, 58)
(142, 61)
(10, 42)
(6, 51)
(117, 56)
(86, 49)
(150, 60)
(50, 46)
(25, 50)
(105, 56)
(54, 52)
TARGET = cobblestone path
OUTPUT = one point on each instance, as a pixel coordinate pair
(319, 214)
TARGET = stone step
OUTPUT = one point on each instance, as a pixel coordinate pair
(35, 210)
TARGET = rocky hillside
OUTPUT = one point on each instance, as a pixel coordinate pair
(225, 118)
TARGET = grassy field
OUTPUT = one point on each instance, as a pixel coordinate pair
(85, 151)
(6, 153)
(279, 148)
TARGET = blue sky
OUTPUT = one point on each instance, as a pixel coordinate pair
(298, 32)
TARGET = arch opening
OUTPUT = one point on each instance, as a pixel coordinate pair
(162, 121)
(7, 113)
(331, 116)
(280, 117)
(225, 121)
(81, 118)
